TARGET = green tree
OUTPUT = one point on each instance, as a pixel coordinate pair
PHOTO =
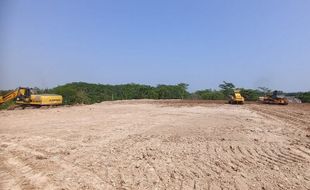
(227, 88)
(183, 88)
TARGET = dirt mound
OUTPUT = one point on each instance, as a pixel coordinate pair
(156, 145)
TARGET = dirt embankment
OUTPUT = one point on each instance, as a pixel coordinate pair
(156, 145)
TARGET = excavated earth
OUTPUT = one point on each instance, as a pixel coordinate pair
(156, 145)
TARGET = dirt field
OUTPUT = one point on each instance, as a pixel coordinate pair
(156, 145)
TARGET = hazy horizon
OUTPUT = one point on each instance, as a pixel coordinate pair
(202, 43)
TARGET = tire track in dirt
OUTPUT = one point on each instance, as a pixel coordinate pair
(27, 170)
(262, 155)
(177, 178)
(271, 157)
(7, 180)
(302, 122)
(238, 155)
(285, 152)
(150, 146)
(234, 159)
(304, 151)
(25, 176)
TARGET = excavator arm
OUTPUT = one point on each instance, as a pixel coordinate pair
(12, 95)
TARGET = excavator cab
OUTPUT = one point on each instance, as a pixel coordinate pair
(275, 94)
(23, 94)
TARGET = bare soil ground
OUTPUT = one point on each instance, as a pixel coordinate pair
(156, 145)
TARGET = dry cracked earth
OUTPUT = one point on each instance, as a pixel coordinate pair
(156, 145)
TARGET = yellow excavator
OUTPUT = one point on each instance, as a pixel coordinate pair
(236, 98)
(25, 97)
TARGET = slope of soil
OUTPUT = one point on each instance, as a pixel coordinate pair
(156, 145)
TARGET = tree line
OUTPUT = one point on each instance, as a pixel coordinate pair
(87, 93)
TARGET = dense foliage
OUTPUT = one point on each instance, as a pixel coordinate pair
(251, 94)
(304, 96)
(86, 93)
(7, 105)
(209, 94)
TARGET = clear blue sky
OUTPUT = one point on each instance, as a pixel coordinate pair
(247, 42)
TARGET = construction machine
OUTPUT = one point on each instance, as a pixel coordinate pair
(24, 97)
(274, 99)
(236, 98)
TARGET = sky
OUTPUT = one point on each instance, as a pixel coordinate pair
(203, 42)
